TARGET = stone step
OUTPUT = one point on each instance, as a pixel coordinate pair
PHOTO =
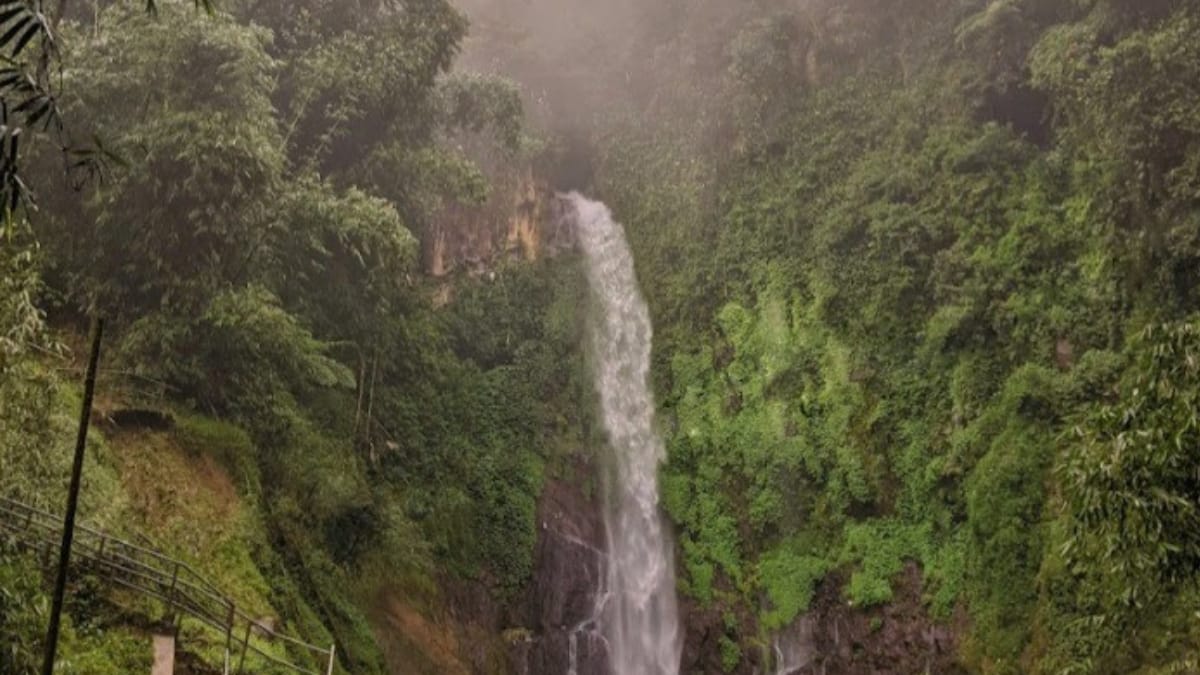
(164, 655)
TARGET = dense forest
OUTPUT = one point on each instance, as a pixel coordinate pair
(924, 277)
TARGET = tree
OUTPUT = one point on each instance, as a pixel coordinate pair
(187, 103)
(1126, 107)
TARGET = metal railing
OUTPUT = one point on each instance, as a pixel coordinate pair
(173, 582)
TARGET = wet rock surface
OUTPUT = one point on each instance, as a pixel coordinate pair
(705, 626)
(834, 638)
(895, 639)
(568, 568)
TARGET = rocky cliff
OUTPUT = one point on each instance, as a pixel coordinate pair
(569, 564)
(521, 220)
(836, 638)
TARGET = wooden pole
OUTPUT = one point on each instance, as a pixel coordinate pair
(64, 555)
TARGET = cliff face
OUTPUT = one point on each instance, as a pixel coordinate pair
(569, 562)
(521, 220)
(836, 638)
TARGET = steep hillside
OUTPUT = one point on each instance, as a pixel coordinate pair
(171, 490)
(921, 275)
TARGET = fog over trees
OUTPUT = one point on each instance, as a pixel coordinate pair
(923, 328)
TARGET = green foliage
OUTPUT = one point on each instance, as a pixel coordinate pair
(765, 69)
(21, 322)
(789, 579)
(29, 101)
(341, 262)
(1127, 108)
(1005, 500)
(23, 616)
(877, 327)
(27, 392)
(731, 654)
(510, 398)
(246, 327)
(88, 643)
(895, 252)
(86, 647)
(229, 445)
(252, 244)
(882, 548)
(174, 226)
(1129, 484)
(38, 422)
(474, 103)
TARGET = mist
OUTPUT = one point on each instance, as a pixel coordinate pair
(578, 61)
(574, 337)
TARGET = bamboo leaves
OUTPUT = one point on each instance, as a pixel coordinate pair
(1132, 489)
(25, 102)
(29, 101)
(21, 22)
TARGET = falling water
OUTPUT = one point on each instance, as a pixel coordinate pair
(573, 653)
(636, 612)
(795, 649)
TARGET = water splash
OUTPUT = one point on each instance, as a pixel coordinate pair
(637, 612)
(594, 644)
(795, 649)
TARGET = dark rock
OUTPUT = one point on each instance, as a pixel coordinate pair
(895, 639)
(568, 564)
(129, 419)
(833, 638)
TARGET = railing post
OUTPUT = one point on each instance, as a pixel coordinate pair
(245, 647)
(178, 598)
(171, 593)
(229, 638)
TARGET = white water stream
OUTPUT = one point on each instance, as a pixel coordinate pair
(636, 611)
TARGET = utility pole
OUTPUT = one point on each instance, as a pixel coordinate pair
(64, 559)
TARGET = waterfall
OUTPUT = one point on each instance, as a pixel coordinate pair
(636, 610)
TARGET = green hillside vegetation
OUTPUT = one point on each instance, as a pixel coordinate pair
(939, 306)
(252, 238)
(923, 273)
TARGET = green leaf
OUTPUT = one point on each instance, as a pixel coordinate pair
(33, 30)
(12, 9)
(19, 25)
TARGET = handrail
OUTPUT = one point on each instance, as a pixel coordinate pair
(171, 581)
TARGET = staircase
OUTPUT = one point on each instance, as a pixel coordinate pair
(182, 590)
